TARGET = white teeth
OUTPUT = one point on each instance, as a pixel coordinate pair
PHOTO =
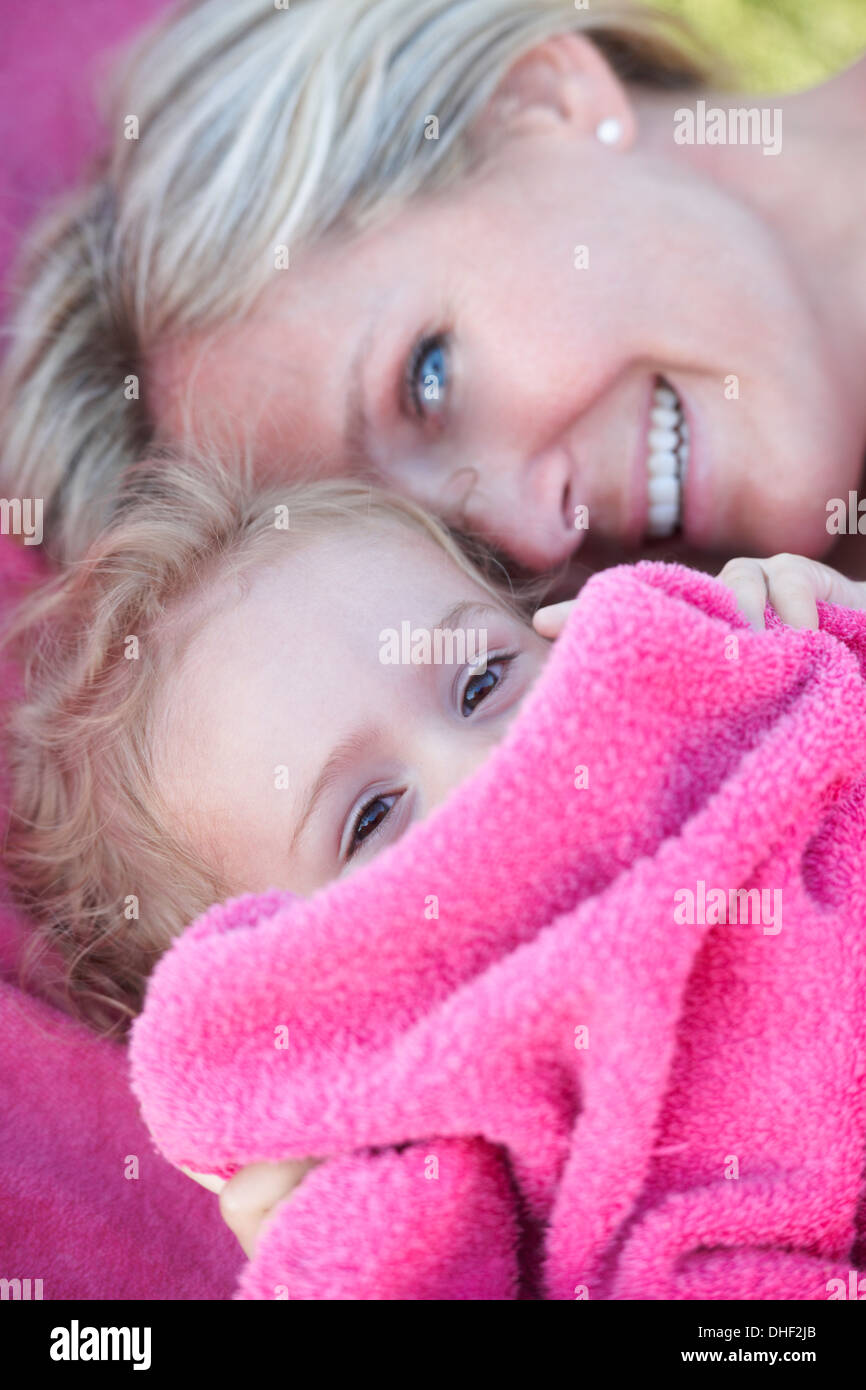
(667, 460)
(663, 519)
(664, 490)
(662, 465)
(662, 439)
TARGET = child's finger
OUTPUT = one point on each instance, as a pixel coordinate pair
(833, 587)
(248, 1198)
(748, 583)
(549, 622)
(792, 594)
(208, 1180)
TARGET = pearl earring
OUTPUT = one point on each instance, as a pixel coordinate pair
(609, 131)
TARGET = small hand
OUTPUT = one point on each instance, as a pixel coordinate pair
(251, 1196)
(549, 622)
(792, 585)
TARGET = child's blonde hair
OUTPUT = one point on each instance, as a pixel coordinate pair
(91, 853)
(238, 127)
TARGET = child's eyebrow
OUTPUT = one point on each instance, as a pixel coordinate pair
(337, 762)
(461, 611)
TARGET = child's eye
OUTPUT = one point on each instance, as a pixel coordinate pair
(478, 687)
(426, 380)
(369, 820)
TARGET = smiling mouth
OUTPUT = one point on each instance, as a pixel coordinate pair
(667, 457)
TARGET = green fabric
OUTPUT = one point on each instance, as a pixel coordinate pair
(779, 45)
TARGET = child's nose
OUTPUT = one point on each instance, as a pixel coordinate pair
(445, 763)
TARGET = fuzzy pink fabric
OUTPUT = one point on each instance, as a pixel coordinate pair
(53, 60)
(704, 1136)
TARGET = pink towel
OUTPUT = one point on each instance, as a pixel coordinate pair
(529, 1074)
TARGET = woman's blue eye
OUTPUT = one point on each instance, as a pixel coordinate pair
(427, 375)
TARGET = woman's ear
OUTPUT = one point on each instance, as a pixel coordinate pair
(565, 84)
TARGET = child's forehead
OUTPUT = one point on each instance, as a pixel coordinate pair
(385, 561)
(357, 549)
(342, 578)
(327, 560)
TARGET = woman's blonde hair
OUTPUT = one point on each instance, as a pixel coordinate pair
(238, 128)
(93, 855)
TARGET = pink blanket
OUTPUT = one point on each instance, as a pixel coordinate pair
(538, 1055)
(73, 1213)
(54, 58)
(88, 1209)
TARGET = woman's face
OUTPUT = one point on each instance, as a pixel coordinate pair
(471, 355)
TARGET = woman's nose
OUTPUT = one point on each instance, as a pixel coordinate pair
(528, 506)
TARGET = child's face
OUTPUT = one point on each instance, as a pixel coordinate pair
(289, 751)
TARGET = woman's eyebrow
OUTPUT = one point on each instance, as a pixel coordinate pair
(338, 761)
